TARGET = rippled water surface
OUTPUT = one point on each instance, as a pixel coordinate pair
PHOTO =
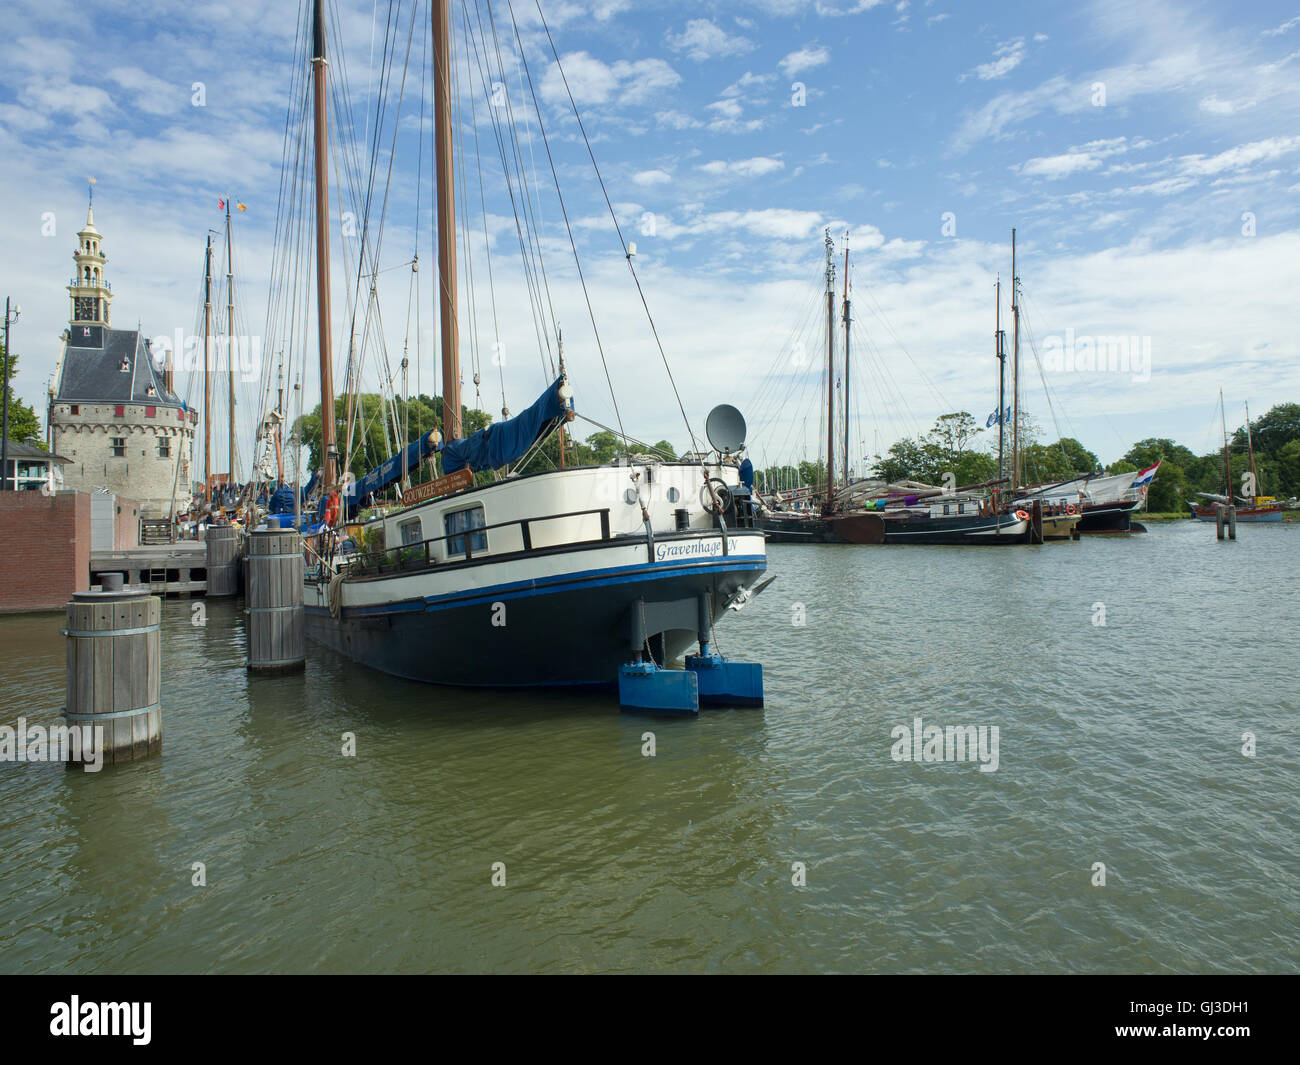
(1118, 744)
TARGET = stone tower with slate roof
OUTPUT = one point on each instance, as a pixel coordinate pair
(114, 413)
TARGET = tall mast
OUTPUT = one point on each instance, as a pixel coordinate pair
(847, 321)
(1227, 458)
(1250, 443)
(230, 347)
(830, 369)
(207, 372)
(279, 439)
(999, 350)
(319, 67)
(1015, 368)
(451, 427)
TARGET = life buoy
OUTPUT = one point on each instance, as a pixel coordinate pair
(1023, 515)
(332, 510)
(1070, 508)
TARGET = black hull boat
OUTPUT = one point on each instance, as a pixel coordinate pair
(521, 633)
(1109, 518)
(553, 597)
(967, 526)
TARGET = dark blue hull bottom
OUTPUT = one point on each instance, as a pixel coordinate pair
(574, 636)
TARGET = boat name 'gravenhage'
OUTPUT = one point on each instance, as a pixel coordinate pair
(102, 1018)
(693, 549)
(956, 743)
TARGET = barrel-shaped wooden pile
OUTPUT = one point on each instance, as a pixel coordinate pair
(114, 669)
(274, 603)
(223, 560)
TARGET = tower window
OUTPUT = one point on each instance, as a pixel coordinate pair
(76, 409)
(126, 366)
(164, 448)
(119, 411)
(119, 447)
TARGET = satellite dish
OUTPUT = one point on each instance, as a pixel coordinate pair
(725, 428)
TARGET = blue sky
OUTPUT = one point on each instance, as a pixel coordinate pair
(1148, 154)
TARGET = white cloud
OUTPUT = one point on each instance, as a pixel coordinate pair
(648, 178)
(592, 81)
(151, 94)
(1288, 25)
(1241, 157)
(806, 58)
(1007, 56)
(1059, 166)
(703, 39)
(676, 120)
(756, 167)
(1213, 105)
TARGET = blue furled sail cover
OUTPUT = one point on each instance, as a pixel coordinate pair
(503, 443)
(389, 471)
(281, 500)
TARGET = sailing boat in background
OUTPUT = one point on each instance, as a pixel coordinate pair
(1253, 507)
(870, 511)
(1090, 503)
(573, 577)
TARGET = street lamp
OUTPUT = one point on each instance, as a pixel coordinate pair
(10, 316)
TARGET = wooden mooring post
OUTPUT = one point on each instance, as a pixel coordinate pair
(115, 668)
(274, 602)
(1225, 521)
(223, 560)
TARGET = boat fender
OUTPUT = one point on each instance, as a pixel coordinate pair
(334, 594)
(1023, 515)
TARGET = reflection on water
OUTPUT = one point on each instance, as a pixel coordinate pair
(1119, 744)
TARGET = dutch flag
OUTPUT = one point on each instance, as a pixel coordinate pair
(1146, 476)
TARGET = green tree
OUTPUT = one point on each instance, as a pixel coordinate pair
(1273, 431)
(24, 425)
(1080, 459)
(1288, 468)
(975, 467)
(373, 440)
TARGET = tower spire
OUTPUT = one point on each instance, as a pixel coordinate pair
(89, 292)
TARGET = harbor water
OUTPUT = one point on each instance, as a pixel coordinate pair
(490, 831)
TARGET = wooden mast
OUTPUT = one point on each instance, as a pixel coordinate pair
(847, 321)
(230, 351)
(1015, 369)
(207, 372)
(319, 99)
(999, 350)
(279, 432)
(1227, 457)
(451, 422)
(830, 371)
(1250, 443)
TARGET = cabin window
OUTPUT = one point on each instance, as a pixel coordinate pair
(119, 447)
(461, 521)
(946, 509)
(411, 532)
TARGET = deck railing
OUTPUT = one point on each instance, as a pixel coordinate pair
(419, 555)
